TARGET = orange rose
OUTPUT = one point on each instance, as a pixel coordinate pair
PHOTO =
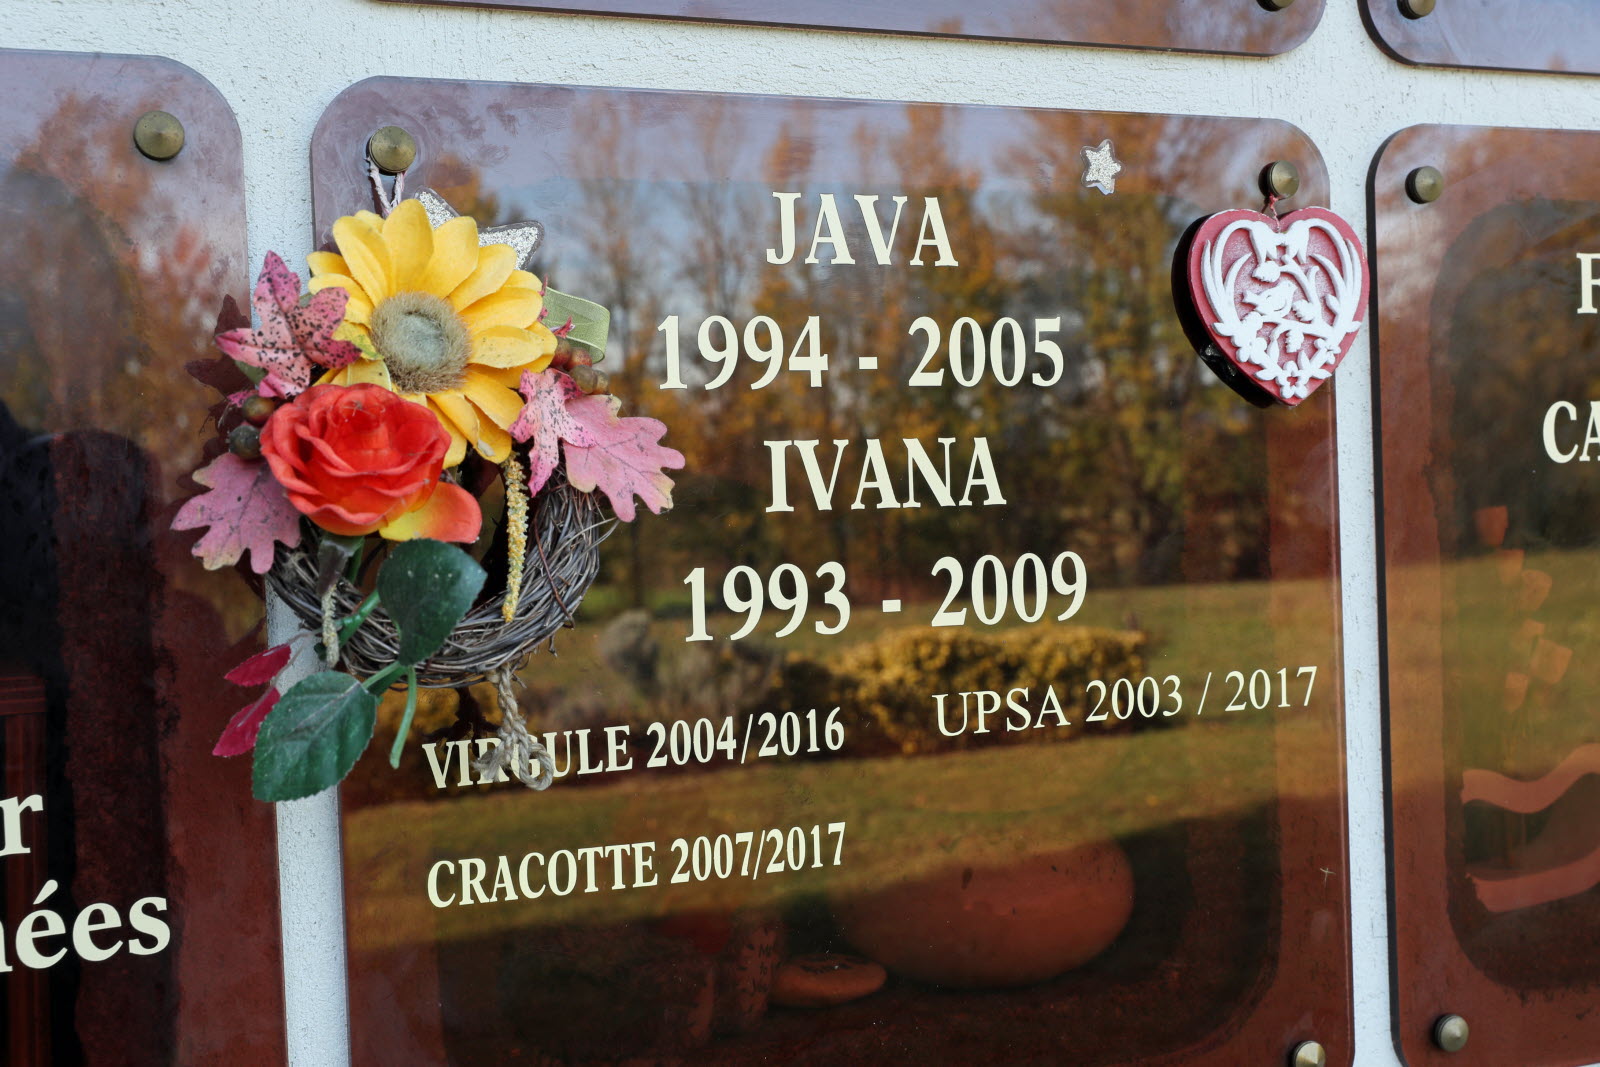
(359, 459)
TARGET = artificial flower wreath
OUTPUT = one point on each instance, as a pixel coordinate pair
(366, 428)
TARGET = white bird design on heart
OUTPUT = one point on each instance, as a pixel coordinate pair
(1283, 297)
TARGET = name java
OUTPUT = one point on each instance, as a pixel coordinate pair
(830, 230)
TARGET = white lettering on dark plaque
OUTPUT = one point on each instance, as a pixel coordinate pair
(42, 938)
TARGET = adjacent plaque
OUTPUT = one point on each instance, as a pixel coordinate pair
(140, 909)
(1487, 340)
(1553, 36)
(1246, 27)
(980, 697)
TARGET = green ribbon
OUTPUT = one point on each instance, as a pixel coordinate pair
(591, 322)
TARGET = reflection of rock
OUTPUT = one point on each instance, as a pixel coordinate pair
(716, 678)
(720, 677)
(822, 979)
(626, 647)
(996, 926)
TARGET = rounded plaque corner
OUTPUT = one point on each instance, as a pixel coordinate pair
(1309, 14)
(1550, 36)
(1390, 30)
(207, 113)
(336, 107)
(1403, 151)
(211, 94)
(1299, 150)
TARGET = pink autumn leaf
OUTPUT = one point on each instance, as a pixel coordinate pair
(547, 419)
(239, 736)
(626, 459)
(292, 338)
(262, 667)
(246, 510)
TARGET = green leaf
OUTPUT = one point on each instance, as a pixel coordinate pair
(313, 737)
(426, 587)
(591, 322)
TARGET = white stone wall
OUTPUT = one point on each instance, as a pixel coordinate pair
(280, 62)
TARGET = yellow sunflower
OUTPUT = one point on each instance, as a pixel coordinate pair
(439, 320)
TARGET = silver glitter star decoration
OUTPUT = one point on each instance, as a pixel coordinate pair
(1101, 168)
(523, 237)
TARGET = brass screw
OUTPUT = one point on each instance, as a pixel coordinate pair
(1424, 185)
(1450, 1033)
(1309, 1054)
(1281, 179)
(1416, 9)
(1276, 5)
(392, 149)
(158, 135)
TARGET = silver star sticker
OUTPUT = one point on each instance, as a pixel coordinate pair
(523, 237)
(1101, 168)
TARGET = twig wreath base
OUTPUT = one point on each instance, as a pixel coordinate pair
(563, 562)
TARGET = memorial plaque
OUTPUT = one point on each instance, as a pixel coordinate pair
(1487, 339)
(140, 915)
(1555, 36)
(1243, 27)
(978, 700)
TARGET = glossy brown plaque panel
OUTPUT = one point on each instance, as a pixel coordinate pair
(1206, 526)
(1244, 27)
(160, 867)
(1558, 36)
(1490, 586)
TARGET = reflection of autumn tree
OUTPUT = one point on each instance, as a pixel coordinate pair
(1152, 23)
(1137, 408)
(1136, 457)
(723, 228)
(619, 237)
(112, 269)
(461, 185)
(866, 310)
(85, 345)
(978, 289)
(110, 286)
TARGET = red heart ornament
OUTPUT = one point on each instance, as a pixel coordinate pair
(1281, 298)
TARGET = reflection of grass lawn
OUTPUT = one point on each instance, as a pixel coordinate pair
(904, 815)
(1487, 637)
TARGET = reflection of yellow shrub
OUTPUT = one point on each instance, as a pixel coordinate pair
(887, 688)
